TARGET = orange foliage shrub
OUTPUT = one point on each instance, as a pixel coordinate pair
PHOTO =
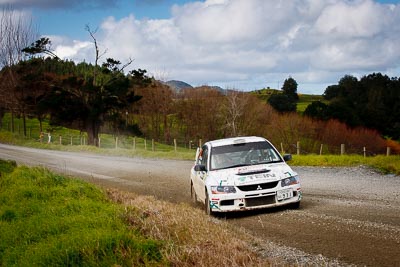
(394, 146)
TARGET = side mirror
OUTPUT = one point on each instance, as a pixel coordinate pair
(287, 157)
(200, 168)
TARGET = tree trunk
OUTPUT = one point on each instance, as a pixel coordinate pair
(40, 124)
(93, 129)
(12, 122)
(24, 123)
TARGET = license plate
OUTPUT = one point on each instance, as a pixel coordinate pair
(284, 194)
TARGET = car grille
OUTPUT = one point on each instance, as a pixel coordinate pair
(255, 187)
(260, 201)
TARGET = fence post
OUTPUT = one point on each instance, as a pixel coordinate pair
(365, 151)
(152, 145)
(387, 151)
(282, 151)
(190, 145)
(200, 142)
(145, 144)
(116, 142)
(298, 147)
(342, 149)
(71, 140)
(320, 150)
(99, 142)
(60, 139)
(175, 148)
(134, 143)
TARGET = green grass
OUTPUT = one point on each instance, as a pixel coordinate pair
(125, 148)
(73, 140)
(49, 220)
(385, 164)
(305, 100)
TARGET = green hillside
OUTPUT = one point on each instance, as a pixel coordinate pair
(304, 99)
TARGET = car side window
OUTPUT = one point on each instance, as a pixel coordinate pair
(204, 157)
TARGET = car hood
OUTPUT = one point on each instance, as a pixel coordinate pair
(252, 174)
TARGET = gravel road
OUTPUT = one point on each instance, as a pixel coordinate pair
(349, 216)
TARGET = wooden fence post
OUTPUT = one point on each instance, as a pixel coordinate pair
(342, 149)
(175, 148)
(60, 139)
(145, 144)
(190, 145)
(134, 143)
(200, 142)
(320, 150)
(298, 147)
(99, 142)
(71, 140)
(116, 142)
(387, 151)
(365, 151)
(152, 145)
(282, 151)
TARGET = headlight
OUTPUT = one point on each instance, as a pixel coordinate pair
(290, 181)
(222, 189)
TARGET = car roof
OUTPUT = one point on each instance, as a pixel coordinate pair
(235, 140)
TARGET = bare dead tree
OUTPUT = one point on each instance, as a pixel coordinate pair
(92, 34)
(234, 108)
(16, 32)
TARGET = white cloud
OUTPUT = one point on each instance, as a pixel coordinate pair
(253, 42)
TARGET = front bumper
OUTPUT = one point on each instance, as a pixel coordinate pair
(255, 199)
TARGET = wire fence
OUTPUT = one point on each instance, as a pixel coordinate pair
(107, 141)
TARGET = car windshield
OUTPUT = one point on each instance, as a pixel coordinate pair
(236, 155)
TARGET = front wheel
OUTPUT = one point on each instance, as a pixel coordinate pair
(207, 205)
(193, 194)
(295, 205)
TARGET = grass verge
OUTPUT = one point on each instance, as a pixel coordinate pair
(49, 220)
(385, 164)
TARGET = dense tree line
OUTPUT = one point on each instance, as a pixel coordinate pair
(68, 94)
(65, 93)
(371, 102)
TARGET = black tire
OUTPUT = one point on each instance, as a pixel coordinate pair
(207, 206)
(295, 205)
(193, 194)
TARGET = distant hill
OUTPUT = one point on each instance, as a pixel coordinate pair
(178, 85)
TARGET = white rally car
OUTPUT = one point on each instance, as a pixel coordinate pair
(243, 173)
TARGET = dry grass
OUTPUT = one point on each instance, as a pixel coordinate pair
(190, 237)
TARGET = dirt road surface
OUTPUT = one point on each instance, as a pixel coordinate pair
(349, 216)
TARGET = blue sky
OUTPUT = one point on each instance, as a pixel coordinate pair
(236, 44)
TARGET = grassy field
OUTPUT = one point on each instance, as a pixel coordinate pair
(384, 164)
(49, 220)
(304, 99)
